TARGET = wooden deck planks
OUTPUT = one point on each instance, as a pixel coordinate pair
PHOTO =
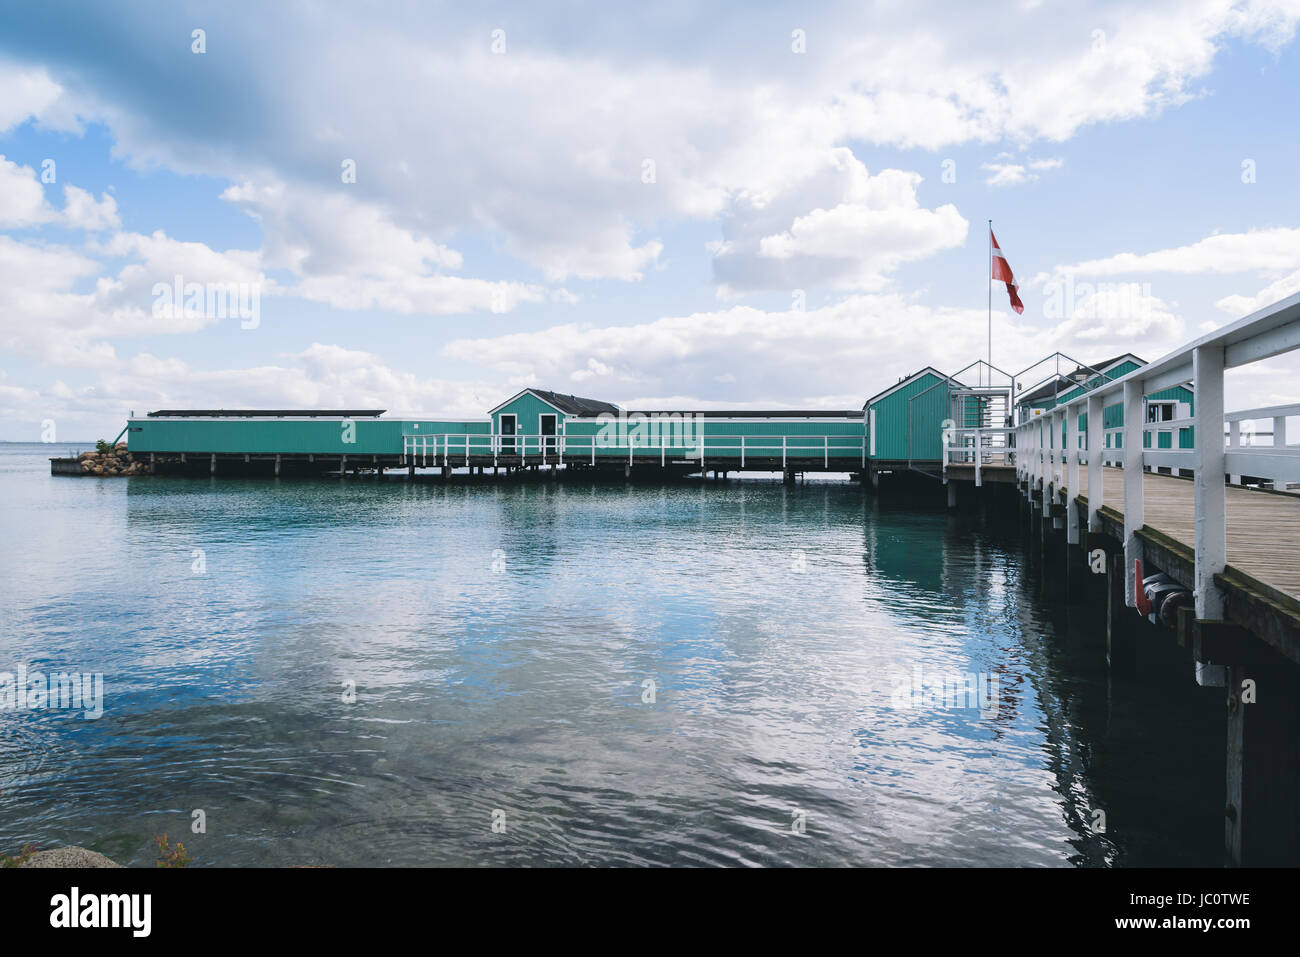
(1263, 527)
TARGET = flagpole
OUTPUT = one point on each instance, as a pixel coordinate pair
(990, 302)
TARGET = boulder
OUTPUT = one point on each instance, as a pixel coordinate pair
(68, 857)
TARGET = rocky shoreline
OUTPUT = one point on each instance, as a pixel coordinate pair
(112, 463)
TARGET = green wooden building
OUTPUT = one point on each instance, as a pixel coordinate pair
(1167, 405)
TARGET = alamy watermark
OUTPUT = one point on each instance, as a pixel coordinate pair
(940, 691)
(26, 690)
(670, 430)
(210, 300)
(1069, 299)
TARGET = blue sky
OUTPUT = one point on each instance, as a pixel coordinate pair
(503, 229)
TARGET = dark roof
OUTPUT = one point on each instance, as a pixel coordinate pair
(1110, 362)
(756, 413)
(1071, 381)
(265, 413)
(574, 404)
(1048, 390)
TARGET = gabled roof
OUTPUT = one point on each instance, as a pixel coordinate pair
(1070, 382)
(931, 370)
(1048, 390)
(568, 404)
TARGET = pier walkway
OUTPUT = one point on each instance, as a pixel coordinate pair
(1263, 528)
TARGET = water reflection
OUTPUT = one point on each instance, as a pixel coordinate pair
(500, 638)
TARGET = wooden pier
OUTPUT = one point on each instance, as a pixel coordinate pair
(1199, 534)
(1263, 529)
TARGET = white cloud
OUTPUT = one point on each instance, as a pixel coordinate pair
(844, 349)
(1259, 250)
(320, 376)
(44, 315)
(352, 255)
(22, 198)
(1016, 174)
(331, 233)
(546, 145)
(30, 93)
(840, 226)
(1238, 305)
(23, 203)
(81, 211)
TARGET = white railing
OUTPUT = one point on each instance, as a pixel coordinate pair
(1043, 461)
(453, 449)
(978, 447)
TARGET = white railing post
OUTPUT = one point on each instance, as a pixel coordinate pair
(1210, 495)
(782, 453)
(1279, 431)
(1134, 517)
(1049, 463)
(1071, 475)
(979, 458)
(1057, 424)
(742, 451)
(826, 451)
(1234, 442)
(1096, 460)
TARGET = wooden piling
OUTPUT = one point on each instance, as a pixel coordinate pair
(1121, 646)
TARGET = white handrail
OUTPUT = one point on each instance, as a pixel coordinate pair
(459, 448)
(1269, 332)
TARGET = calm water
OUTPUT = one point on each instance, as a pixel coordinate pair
(500, 639)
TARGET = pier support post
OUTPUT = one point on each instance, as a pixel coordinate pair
(277, 466)
(788, 478)
(410, 468)
(151, 463)
(212, 464)
(1076, 573)
(952, 494)
(1121, 646)
(627, 470)
(1260, 827)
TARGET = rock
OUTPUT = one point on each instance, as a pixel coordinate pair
(68, 857)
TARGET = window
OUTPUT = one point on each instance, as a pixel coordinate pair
(1161, 411)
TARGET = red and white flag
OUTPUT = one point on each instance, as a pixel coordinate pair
(1000, 269)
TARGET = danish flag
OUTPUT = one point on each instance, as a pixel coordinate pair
(1000, 269)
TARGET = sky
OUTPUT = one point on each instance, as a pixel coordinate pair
(426, 208)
